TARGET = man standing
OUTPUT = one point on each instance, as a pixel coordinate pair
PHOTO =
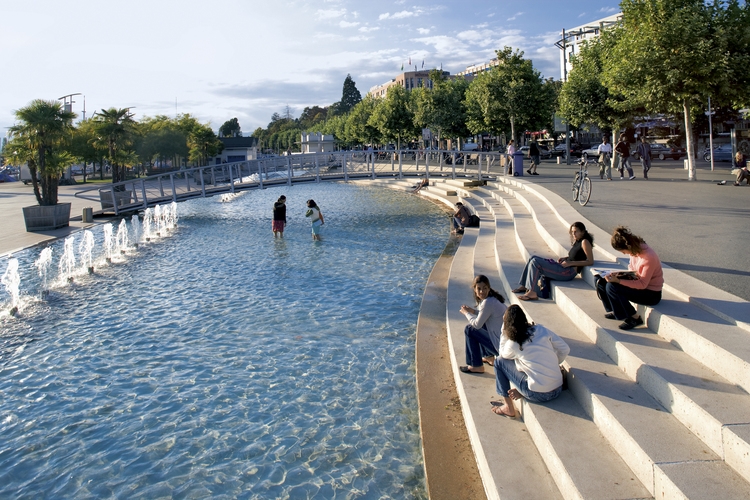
(644, 151)
(460, 218)
(534, 154)
(605, 152)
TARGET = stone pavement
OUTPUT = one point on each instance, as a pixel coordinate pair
(697, 227)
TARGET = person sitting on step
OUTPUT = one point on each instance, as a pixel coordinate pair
(485, 324)
(538, 270)
(530, 358)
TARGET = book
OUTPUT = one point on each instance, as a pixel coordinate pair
(622, 275)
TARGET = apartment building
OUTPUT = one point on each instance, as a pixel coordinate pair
(409, 80)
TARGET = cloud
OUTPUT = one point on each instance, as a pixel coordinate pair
(582, 14)
(515, 16)
(491, 15)
(347, 24)
(609, 10)
(423, 31)
(400, 15)
(329, 13)
(480, 26)
(442, 44)
(358, 38)
(367, 29)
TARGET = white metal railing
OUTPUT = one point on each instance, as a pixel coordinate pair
(211, 180)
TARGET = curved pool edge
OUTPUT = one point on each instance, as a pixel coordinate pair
(450, 467)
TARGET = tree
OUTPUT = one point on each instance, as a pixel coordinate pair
(350, 96)
(116, 129)
(203, 143)
(359, 129)
(678, 53)
(441, 108)
(393, 116)
(41, 137)
(83, 145)
(231, 128)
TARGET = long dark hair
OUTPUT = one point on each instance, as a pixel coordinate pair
(581, 227)
(481, 278)
(516, 326)
(311, 204)
(623, 239)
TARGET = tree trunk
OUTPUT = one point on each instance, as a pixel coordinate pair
(614, 136)
(34, 182)
(513, 129)
(689, 141)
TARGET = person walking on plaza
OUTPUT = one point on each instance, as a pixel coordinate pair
(623, 148)
(279, 217)
(740, 164)
(534, 154)
(644, 152)
(605, 153)
(509, 161)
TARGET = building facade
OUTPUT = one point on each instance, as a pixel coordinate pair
(570, 43)
(409, 80)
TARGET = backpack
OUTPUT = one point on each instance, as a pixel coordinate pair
(473, 221)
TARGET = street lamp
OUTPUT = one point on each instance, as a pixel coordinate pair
(68, 101)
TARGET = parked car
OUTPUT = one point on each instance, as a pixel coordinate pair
(721, 153)
(592, 152)
(661, 151)
(576, 150)
(544, 153)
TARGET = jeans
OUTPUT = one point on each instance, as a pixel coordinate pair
(605, 166)
(537, 267)
(646, 164)
(625, 163)
(457, 224)
(617, 298)
(478, 345)
(506, 372)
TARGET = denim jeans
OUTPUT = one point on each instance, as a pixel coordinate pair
(625, 163)
(605, 166)
(478, 345)
(538, 267)
(457, 224)
(506, 372)
(617, 298)
(646, 164)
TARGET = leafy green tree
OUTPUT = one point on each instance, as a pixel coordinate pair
(44, 128)
(83, 145)
(483, 112)
(393, 117)
(230, 128)
(116, 129)
(203, 144)
(678, 53)
(359, 129)
(350, 96)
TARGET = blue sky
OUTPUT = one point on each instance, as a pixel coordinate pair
(249, 59)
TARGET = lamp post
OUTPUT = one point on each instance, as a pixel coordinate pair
(68, 108)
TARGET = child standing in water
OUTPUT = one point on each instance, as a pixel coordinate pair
(313, 211)
(279, 217)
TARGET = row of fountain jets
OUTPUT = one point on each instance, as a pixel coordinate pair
(156, 223)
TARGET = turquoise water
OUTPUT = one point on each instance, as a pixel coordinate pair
(219, 362)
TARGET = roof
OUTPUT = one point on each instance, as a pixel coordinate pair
(239, 142)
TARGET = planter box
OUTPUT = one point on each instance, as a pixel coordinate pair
(46, 218)
(122, 198)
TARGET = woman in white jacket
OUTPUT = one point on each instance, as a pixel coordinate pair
(530, 357)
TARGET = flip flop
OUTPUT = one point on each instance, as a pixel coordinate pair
(524, 297)
(520, 289)
(487, 362)
(467, 369)
(498, 410)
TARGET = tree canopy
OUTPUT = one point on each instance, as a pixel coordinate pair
(349, 97)
(230, 128)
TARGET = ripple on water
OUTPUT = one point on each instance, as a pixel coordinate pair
(219, 362)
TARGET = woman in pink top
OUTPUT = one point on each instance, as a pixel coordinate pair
(617, 293)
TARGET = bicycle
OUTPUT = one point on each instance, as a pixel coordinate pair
(582, 183)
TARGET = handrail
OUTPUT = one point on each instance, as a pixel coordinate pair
(210, 180)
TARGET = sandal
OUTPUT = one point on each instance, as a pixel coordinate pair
(498, 410)
(526, 297)
(467, 369)
(520, 289)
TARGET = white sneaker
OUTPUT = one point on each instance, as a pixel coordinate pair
(632, 177)
(621, 178)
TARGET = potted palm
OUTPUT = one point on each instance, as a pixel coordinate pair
(39, 139)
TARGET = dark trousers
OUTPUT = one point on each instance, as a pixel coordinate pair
(617, 298)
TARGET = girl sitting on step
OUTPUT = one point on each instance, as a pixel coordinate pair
(530, 357)
(485, 324)
(538, 270)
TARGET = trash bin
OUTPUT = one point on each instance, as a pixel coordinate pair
(88, 214)
(518, 164)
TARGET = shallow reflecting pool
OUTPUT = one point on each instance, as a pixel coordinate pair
(219, 362)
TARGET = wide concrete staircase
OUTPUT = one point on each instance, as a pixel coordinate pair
(661, 411)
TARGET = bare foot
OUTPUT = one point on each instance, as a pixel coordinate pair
(504, 411)
(490, 360)
(471, 369)
(520, 289)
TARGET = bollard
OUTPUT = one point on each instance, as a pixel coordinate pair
(558, 160)
(88, 214)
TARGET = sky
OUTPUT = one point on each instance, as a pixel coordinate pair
(250, 58)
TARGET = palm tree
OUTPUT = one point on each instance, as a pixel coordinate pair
(115, 128)
(44, 128)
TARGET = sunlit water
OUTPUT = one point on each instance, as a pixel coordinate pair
(219, 362)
